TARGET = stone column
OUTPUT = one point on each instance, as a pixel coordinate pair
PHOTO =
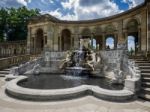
(103, 42)
(60, 42)
(116, 40)
(29, 41)
(50, 36)
(34, 38)
(148, 27)
(56, 41)
(125, 37)
(76, 41)
(72, 41)
(143, 31)
(92, 36)
(32, 45)
(121, 33)
(139, 38)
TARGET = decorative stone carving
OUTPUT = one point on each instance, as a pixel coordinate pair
(119, 76)
(14, 71)
(36, 69)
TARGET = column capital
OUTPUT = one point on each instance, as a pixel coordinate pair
(125, 30)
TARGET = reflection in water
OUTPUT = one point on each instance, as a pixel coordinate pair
(53, 81)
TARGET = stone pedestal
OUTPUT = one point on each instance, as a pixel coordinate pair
(132, 84)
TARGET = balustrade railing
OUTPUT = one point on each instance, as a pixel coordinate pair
(14, 60)
(134, 69)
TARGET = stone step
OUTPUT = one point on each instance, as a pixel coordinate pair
(143, 64)
(144, 67)
(145, 90)
(145, 96)
(142, 61)
(145, 70)
(145, 74)
(145, 84)
(4, 72)
(3, 75)
(146, 79)
(137, 57)
(8, 69)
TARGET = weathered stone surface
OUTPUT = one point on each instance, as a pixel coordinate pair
(60, 94)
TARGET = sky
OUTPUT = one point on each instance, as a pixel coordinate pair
(75, 9)
(131, 43)
(110, 42)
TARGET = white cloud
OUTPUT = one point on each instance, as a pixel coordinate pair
(51, 1)
(77, 9)
(69, 4)
(23, 2)
(133, 3)
(86, 9)
(11, 3)
(47, 1)
(59, 15)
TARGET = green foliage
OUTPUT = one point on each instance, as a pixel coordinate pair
(14, 22)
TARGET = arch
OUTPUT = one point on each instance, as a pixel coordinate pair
(86, 32)
(65, 39)
(110, 28)
(110, 42)
(39, 40)
(132, 19)
(132, 25)
(97, 31)
(132, 28)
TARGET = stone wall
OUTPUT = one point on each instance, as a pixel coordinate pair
(112, 58)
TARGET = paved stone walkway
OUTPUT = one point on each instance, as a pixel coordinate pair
(84, 104)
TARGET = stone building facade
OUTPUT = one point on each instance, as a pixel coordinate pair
(46, 31)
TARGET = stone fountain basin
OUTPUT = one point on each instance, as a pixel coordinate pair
(12, 89)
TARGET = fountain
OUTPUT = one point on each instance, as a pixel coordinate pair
(84, 74)
(80, 62)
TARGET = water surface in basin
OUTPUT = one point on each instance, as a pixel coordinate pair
(53, 81)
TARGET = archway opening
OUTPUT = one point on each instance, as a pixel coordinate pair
(131, 44)
(66, 40)
(99, 43)
(39, 41)
(133, 36)
(110, 43)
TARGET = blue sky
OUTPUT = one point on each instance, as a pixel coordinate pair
(110, 42)
(131, 43)
(75, 9)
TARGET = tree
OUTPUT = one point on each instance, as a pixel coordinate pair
(13, 22)
(3, 21)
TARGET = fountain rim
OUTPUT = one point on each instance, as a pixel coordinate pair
(13, 89)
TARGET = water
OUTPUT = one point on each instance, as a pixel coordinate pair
(54, 81)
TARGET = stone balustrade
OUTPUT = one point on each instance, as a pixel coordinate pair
(134, 70)
(14, 60)
(14, 48)
(132, 82)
